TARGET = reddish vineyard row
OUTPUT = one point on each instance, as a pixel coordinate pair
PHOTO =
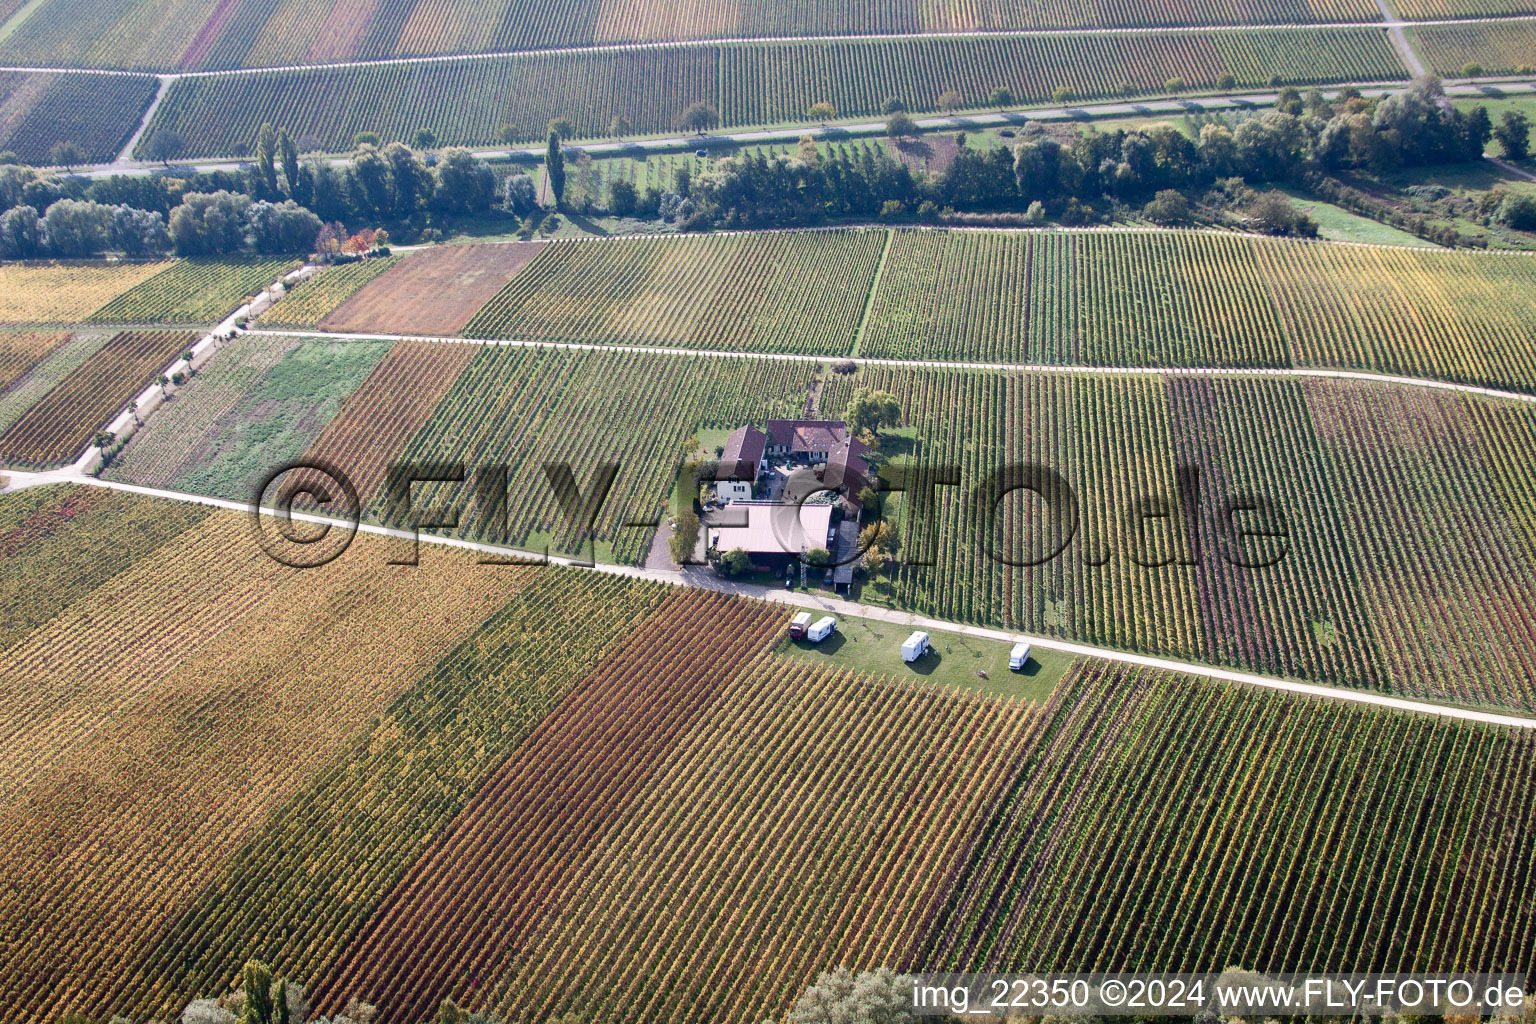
(58, 428)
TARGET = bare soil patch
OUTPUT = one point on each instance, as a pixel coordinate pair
(435, 291)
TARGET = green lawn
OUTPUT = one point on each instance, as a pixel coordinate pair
(1339, 225)
(965, 663)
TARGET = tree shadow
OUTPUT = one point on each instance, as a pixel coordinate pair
(586, 224)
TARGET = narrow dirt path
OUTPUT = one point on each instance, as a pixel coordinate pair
(1400, 38)
(125, 158)
(937, 364)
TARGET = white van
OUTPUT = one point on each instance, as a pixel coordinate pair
(916, 646)
(821, 629)
(1018, 657)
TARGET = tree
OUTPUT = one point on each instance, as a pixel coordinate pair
(256, 985)
(425, 138)
(1226, 81)
(266, 159)
(1002, 96)
(362, 139)
(950, 101)
(281, 227)
(1063, 94)
(164, 146)
(901, 126)
(139, 232)
(870, 410)
(685, 539)
(210, 223)
(1518, 210)
(74, 228)
(893, 104)
(869, 997)
(554, 169)
(1167, 207)
(619, 126)
(519, 195)
(735, 562)
(1514, 134)
(562, 127)
(1174, 85)
(507, 134)
(21, 233)
(464, 185)
(289, 153)
(622, 198)
(699, 118)
(1273, 213)
(822, 111)
(1471, 70)
(817, 558)
(66, 155)
(1289, 101)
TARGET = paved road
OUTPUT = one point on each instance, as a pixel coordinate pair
(706, 579)
(1518, 172)
(931, 364)
(1017, 116)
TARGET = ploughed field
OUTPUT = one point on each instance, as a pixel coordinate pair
(542, 791)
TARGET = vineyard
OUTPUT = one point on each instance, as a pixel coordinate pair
(113, 762)
(466, 103)
(528, 409)
(1157, 299)
(471, 102)
(198, 291)
(269, 411)
(19, 352)
(1498, 47)
(98, 113)
(1192, 299)
(670, 767)
(45, 374)
(171, 35)
(770, 83)
(1386, 501)
(557, 792)
(791, 292)
(310, 302)
(61, 424)
(1209, 826)
(66, 293)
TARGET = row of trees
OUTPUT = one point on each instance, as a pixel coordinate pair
(1417, 126)
(275, 205)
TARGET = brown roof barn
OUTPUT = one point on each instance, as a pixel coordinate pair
(743, 454)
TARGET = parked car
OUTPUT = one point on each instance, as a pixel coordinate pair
(1018, 657)
(821, 629)
(916, 646)
(701, 153)
(799, 624)
(826, 578)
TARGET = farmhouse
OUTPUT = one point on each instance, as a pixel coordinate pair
(744, 458)
(805, 440)
(773, 533)
(846, 471)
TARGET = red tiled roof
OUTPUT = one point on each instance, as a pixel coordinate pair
(806, 435)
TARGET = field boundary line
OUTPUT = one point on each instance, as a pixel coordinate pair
(697, 580)
(725, 41)
(927, 364)
(874, 290)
